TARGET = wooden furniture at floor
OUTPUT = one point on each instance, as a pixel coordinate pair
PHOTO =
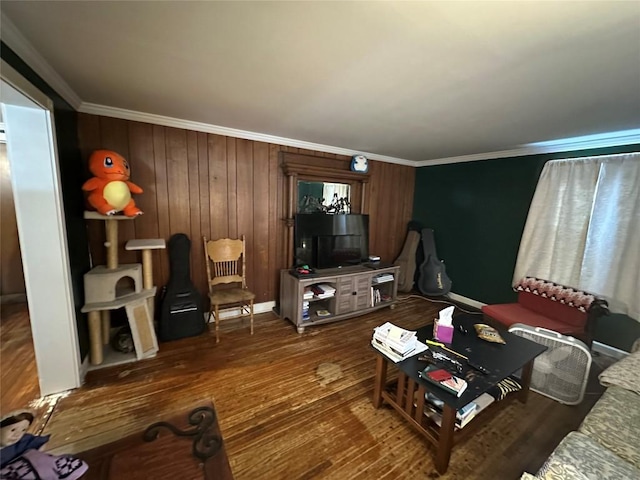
(298, 167)
(187, 446)
(553, 306)
(226, 264)
(358, 290)
(113, 286)
(406, 394)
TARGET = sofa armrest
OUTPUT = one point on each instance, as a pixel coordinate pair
(623, 373)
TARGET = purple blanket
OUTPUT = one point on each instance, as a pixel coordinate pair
(37, 465)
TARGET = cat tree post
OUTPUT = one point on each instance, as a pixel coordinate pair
(147, 246)
(111, 233)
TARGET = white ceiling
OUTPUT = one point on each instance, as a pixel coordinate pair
(402, 81)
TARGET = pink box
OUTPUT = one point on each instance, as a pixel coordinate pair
(442, 333)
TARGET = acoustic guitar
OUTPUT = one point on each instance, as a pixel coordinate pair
(407, 259)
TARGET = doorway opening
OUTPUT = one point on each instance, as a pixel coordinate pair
(31, 150)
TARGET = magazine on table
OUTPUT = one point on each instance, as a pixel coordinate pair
(444, 379)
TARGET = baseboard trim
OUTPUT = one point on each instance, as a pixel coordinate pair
(257, 308)
(13, 298)
(608, 350)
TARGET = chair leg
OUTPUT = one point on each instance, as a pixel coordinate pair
(251, 307)
(217, 319)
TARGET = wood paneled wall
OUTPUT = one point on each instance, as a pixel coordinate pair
(205, 184)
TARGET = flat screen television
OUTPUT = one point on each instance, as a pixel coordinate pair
(329, 241)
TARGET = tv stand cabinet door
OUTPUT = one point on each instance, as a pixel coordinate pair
(353, 293)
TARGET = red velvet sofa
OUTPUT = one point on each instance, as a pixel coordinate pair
(549, 305)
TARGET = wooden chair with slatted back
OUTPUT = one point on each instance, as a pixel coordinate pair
(225, 260)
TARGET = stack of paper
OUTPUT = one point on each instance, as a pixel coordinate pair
(395, 342)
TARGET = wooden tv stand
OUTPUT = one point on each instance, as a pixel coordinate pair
(358, 290)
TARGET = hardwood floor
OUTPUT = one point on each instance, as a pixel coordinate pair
(291, 406)
(19, 378)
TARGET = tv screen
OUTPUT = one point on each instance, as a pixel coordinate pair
(329, 241)
(338, 250)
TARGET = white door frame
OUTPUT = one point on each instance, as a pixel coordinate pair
(35, 178)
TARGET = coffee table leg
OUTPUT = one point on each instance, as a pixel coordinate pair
(379, 381)
(445, 442)
(525, 380)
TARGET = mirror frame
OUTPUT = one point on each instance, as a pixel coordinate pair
(310, 168)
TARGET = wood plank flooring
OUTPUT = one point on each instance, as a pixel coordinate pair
(290, 406)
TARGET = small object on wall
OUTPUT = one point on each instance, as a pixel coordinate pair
(110, 188)
(359, 163)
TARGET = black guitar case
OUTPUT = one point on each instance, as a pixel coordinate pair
(181, 312)
(433, 279)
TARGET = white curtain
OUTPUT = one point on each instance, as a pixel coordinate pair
(583, 229)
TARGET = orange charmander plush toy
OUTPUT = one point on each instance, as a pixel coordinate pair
(110, 187)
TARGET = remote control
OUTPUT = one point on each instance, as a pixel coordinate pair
(477, 367)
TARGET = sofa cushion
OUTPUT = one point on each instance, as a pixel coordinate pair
(623, 373)
(614, 422)
(510, 313)
(580, 457)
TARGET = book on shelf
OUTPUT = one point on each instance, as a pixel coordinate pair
(376, 298)
(444, 379)
(433, 409)
(382, 278)
(323, 313)
(322, 289)
(437, 418)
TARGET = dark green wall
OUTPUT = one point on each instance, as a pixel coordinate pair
(71, 177)
(478, 211)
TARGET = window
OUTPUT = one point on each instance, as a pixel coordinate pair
(583, 229)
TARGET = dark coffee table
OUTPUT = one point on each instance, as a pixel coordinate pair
(500, 360)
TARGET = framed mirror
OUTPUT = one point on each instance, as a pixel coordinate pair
(323, 197)
(319, 178)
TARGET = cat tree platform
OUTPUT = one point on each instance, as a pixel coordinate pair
(142, 331)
